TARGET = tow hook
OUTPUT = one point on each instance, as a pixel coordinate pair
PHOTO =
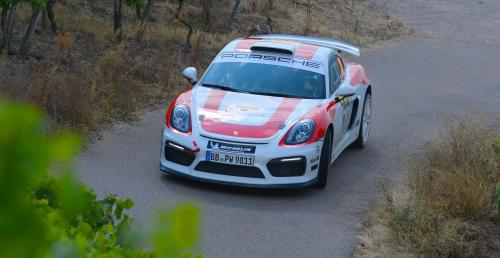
(196, 148)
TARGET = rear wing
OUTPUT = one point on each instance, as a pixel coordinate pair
(338, 45)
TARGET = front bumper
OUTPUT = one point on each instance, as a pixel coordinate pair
(196, 167)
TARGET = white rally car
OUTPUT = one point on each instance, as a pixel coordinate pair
(270, 111)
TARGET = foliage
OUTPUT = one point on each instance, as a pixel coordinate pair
(496, 145)
(36, 4)
(139, 3)
(498, 198)
(45, 212)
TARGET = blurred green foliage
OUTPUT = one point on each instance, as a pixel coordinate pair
(498, 198)
(46, 212)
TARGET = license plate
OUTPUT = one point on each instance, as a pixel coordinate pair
(227, 158)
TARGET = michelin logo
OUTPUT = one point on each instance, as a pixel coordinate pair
(218, 146)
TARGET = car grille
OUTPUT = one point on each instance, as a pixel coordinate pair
(229, 170)
(282, 168)
(183, 157)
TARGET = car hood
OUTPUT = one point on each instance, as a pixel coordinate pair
(229, 115)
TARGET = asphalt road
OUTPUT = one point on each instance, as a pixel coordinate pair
(453, 71)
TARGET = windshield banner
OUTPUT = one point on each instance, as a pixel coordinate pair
(298, 63)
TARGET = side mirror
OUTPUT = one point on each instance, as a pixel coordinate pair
(344, 92)
(190, 73)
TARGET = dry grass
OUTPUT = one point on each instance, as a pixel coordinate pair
(448, 208)
(82, 78)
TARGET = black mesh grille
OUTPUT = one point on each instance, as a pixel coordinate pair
(183, 157)
(229, 170)
(279, 168)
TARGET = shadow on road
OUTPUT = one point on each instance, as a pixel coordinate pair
(239, 190)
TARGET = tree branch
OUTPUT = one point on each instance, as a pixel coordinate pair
(29, 34)
(50, 14)
(179, 18)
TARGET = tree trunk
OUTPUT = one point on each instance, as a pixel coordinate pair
(44, 19)
(146, 16)
(10, 24)
(267, 13)
(270, 23)
(50, 14)
(29, 33)
(5, 12)
(206, 12)
(147, 11)
(233, 13)
(137, 10)
(270, 4)
(307, 30)
(118, 20)
(179, 18)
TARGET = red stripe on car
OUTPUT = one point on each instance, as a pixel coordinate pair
(358, 75)
(266, 130)
(245, 44)
(214, 99)
(306, 51)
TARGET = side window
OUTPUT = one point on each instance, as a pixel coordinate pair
(335, 75)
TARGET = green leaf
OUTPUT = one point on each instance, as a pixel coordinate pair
(46, 214)
(496, 145)
(128, 204)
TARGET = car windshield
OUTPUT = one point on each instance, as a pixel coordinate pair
(265, 79)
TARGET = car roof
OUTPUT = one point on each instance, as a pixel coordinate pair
(299, 50)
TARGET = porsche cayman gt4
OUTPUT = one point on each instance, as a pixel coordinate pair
(270, 111)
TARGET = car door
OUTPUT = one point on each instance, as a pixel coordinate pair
(344, 108)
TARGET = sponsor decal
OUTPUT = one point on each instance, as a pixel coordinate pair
(226, 147)
(315, 160)
(345, 101)
(267, 58)
(214, 124)
(245, 108)
(346, 116)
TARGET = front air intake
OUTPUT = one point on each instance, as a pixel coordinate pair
(178, 154)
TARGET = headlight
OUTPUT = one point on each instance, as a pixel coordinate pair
(301, 132)
(180, 118)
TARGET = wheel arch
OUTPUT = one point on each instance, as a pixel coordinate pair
(332, 131)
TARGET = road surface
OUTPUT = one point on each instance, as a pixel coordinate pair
(452, 71)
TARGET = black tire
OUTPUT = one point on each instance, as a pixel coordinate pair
(361, 142)
(324, 162)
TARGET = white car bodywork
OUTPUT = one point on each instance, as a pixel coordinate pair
(254, 126)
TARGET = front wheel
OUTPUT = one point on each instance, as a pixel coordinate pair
(366, 119)
(324, 163)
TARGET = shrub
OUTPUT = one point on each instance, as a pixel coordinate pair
(45, 212)
(449, 207)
